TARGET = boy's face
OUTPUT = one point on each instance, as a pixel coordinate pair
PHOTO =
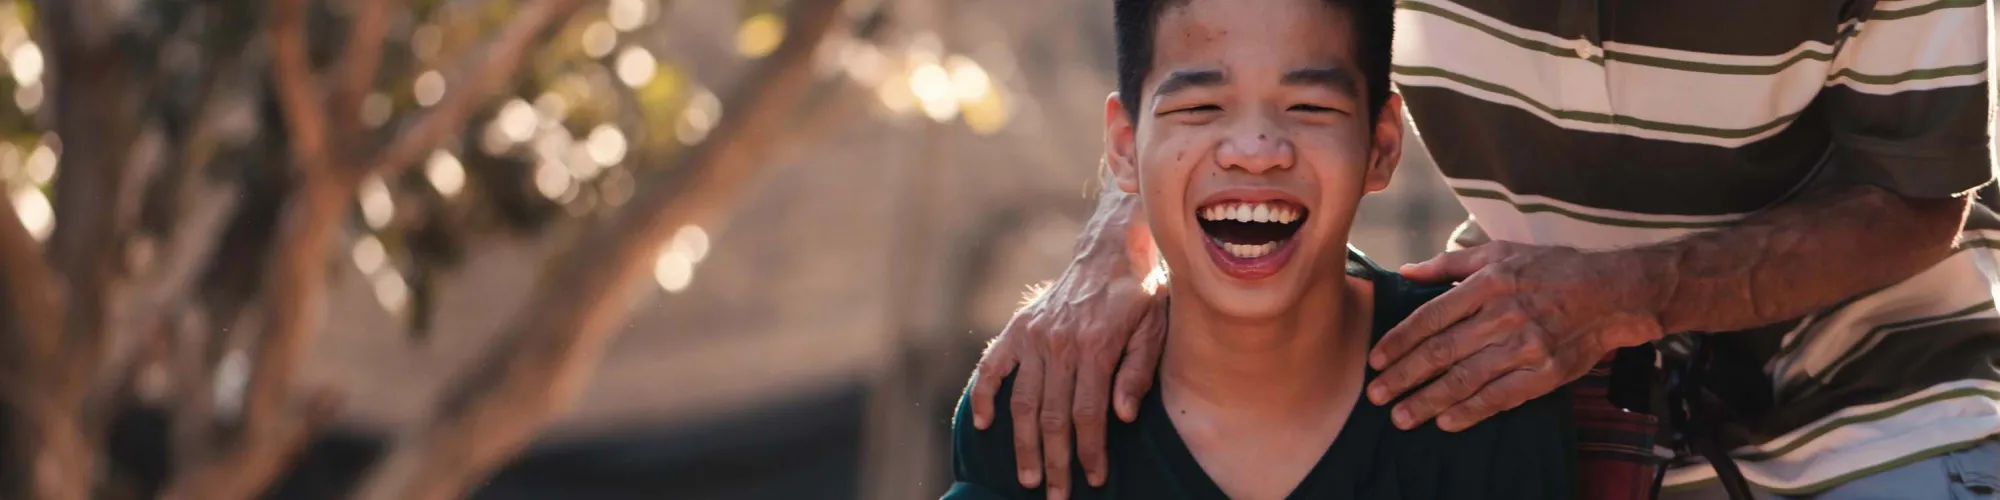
(1252, 148)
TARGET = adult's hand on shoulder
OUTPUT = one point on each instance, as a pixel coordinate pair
(1523, 321)
(1066, 347)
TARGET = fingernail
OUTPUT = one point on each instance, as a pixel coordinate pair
(980, 422)
(1030, 477)
(1402, 418)
(1127, 407)
(1097, 480)
(1377, 395)
(1056, 493)
(1377, 360)
(1447, 423)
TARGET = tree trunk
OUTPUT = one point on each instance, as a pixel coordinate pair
(91, 92)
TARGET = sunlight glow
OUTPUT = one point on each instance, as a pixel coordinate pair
(231, 376)
(626, 15)
(968, 80)
(606, 145)
(426, 41)
(985, 115)
(493, 140)
(577, 157)
(428, 88)
(551, 179)
(702, 111)
(391, 291)
(864, 63)
(375, 109)
(445, 173)
(377, 207)
(550, 107)
(29, 97)
(369, 254)
(932, 86)
(691, 241)
(41, 164)
(26, 63)
(599, 39)
(673, 270)
(895, 96)
(759, 35)
(517, 120)
(35, 213)
(636, 66)
(552, 144)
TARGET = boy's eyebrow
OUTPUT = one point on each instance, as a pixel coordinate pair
(1179, 80)
(1329, 77)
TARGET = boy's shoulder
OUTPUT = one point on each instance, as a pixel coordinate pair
(982, 461)
(1395, 297)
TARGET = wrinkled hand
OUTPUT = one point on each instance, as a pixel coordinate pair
(1066, 344)
(1523, 321)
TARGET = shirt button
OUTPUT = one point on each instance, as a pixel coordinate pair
(1583, 48)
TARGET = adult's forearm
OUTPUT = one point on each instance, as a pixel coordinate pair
(1830, 244)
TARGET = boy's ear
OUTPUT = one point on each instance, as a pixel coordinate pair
(1119, 145)
(1386, 144)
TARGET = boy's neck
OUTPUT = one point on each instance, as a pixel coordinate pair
(1296, 362)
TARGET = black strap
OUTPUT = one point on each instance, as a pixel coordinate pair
(1696, 414)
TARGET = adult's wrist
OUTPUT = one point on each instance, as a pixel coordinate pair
(1110, 239)
(1644, 279)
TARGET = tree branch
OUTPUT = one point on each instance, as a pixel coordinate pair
(478, 77)
(275, 427)
(358, 63)
(298, 89)
(30, 290)
(539, 366)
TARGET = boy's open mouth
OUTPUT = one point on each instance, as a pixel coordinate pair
(1250, 240)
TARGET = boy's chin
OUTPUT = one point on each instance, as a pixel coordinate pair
(1266, 298)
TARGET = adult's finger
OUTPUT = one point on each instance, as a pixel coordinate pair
(994, 365)
(1429, 319)
(1142, 356)
(1505, 393)
(1093, 393)
(1456, 384)
(1456, 265)
(1058, 391)
(1439, 352)
(1026, 404)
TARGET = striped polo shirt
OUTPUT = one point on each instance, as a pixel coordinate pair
(1601, 124)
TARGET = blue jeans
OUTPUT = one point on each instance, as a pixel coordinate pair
(1968, 474)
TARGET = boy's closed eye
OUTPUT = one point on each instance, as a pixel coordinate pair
(1191, 109)
(1314, 108)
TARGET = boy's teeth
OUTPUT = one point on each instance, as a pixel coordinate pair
(1251, 212)
(1250, 251)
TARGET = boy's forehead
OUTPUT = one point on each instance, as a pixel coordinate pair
(1217, 34)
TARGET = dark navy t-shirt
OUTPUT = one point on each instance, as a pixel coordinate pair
(1524, 453)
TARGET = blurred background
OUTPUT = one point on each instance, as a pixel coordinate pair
(715, 249)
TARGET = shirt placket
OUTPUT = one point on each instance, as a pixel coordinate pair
(1584, 87)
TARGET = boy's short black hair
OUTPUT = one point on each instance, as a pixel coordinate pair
(1137, 24)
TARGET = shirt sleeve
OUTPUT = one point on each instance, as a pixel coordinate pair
(1906, 98)
(982, 462)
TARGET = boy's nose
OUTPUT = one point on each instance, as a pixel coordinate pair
(1255, 150)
